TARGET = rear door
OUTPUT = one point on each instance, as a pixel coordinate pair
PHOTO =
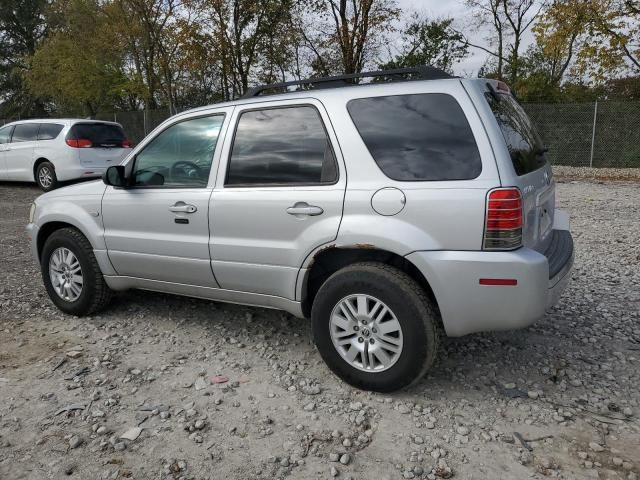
(532, 173)
(20, 152)
(101, 144)
(278, 195)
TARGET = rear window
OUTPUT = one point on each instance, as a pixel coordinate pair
(104, 135)
(27, 132)
(524, 144)
(49, 131)
(424, 137)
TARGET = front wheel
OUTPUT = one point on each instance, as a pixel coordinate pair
(46, 176)
(71, 273)
(375, 327)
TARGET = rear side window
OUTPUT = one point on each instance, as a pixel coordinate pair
(424, 137)
(524, 143)
(27, 132)
(281, 146)
(5, 134)
(49, 131)
(103, 135)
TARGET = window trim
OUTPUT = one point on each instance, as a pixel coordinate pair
(26, 123)
(416, 94)
(134, 159)
(279, 185)
(49, 139)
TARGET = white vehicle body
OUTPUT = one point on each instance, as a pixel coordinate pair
(25, 145)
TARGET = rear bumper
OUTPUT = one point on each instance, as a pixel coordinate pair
(467, 306)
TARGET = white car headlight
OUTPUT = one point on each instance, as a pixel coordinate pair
(32, 212)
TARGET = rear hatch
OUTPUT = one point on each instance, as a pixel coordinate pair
(99, 144)
(533, 174)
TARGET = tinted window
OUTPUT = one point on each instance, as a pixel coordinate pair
(417, 137)
(281, 146)
(5, 134)
(523, 141)
(181, 155)
(49, 131)
(25, 132)
(103, 135)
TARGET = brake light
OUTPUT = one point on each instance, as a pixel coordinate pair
(126, 144)
(503, 87)
(503, 220)
(79, 143)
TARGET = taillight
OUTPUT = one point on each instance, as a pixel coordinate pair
(126, 144)
(79, 143)
(503, 220)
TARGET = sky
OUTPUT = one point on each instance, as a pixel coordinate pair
(463, 20)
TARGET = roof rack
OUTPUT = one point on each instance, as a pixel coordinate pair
(423, 72)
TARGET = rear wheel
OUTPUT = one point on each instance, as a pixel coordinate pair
(71, 273)
(375, 327)
(46, 176)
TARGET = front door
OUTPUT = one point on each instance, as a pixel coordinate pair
(5, 136)
(278, 196)
(19, 155)
(158, 228)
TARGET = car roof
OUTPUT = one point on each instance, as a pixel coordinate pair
(327, 93)
(64, 121)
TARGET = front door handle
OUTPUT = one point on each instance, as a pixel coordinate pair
(303, 208)
(181, 207)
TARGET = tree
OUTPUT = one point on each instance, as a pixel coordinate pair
(599, 38)
(429, 42)
(78, 67)
(253, 40)
(508, 21)
(347, 34)
(22, 28)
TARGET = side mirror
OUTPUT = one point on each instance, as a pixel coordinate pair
(115, 176)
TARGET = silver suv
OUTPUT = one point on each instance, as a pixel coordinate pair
(390, 213)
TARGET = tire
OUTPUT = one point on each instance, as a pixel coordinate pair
(418, 332)
(46, 176)
(94, 294)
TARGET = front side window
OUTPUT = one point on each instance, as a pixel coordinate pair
(5, 134)
(423, 137)
(49, 131)
(180, 156)
(27, 132)
(276, 146)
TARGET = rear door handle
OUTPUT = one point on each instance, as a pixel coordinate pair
(303, 208)
(181, 207)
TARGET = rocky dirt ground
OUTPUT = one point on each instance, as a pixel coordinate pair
(163, 387)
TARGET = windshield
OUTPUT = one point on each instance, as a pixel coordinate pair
(524, 144)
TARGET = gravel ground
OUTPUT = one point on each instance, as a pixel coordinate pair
(163, 387)
(597, 174)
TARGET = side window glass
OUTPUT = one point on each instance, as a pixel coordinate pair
(27, 132)
(281, 146)
(420, 137)
(181, 155)
(49, 131)
(5, 134)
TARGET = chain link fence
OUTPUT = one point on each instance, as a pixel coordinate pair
(599, 134)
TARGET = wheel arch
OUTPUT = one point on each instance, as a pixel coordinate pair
(37, 163)
(332, 258)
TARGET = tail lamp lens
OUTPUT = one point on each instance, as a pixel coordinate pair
(503, 220)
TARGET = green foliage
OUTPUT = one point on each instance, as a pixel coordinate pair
(429, 42)
(22, 28)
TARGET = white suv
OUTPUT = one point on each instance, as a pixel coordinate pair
(51, 151)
